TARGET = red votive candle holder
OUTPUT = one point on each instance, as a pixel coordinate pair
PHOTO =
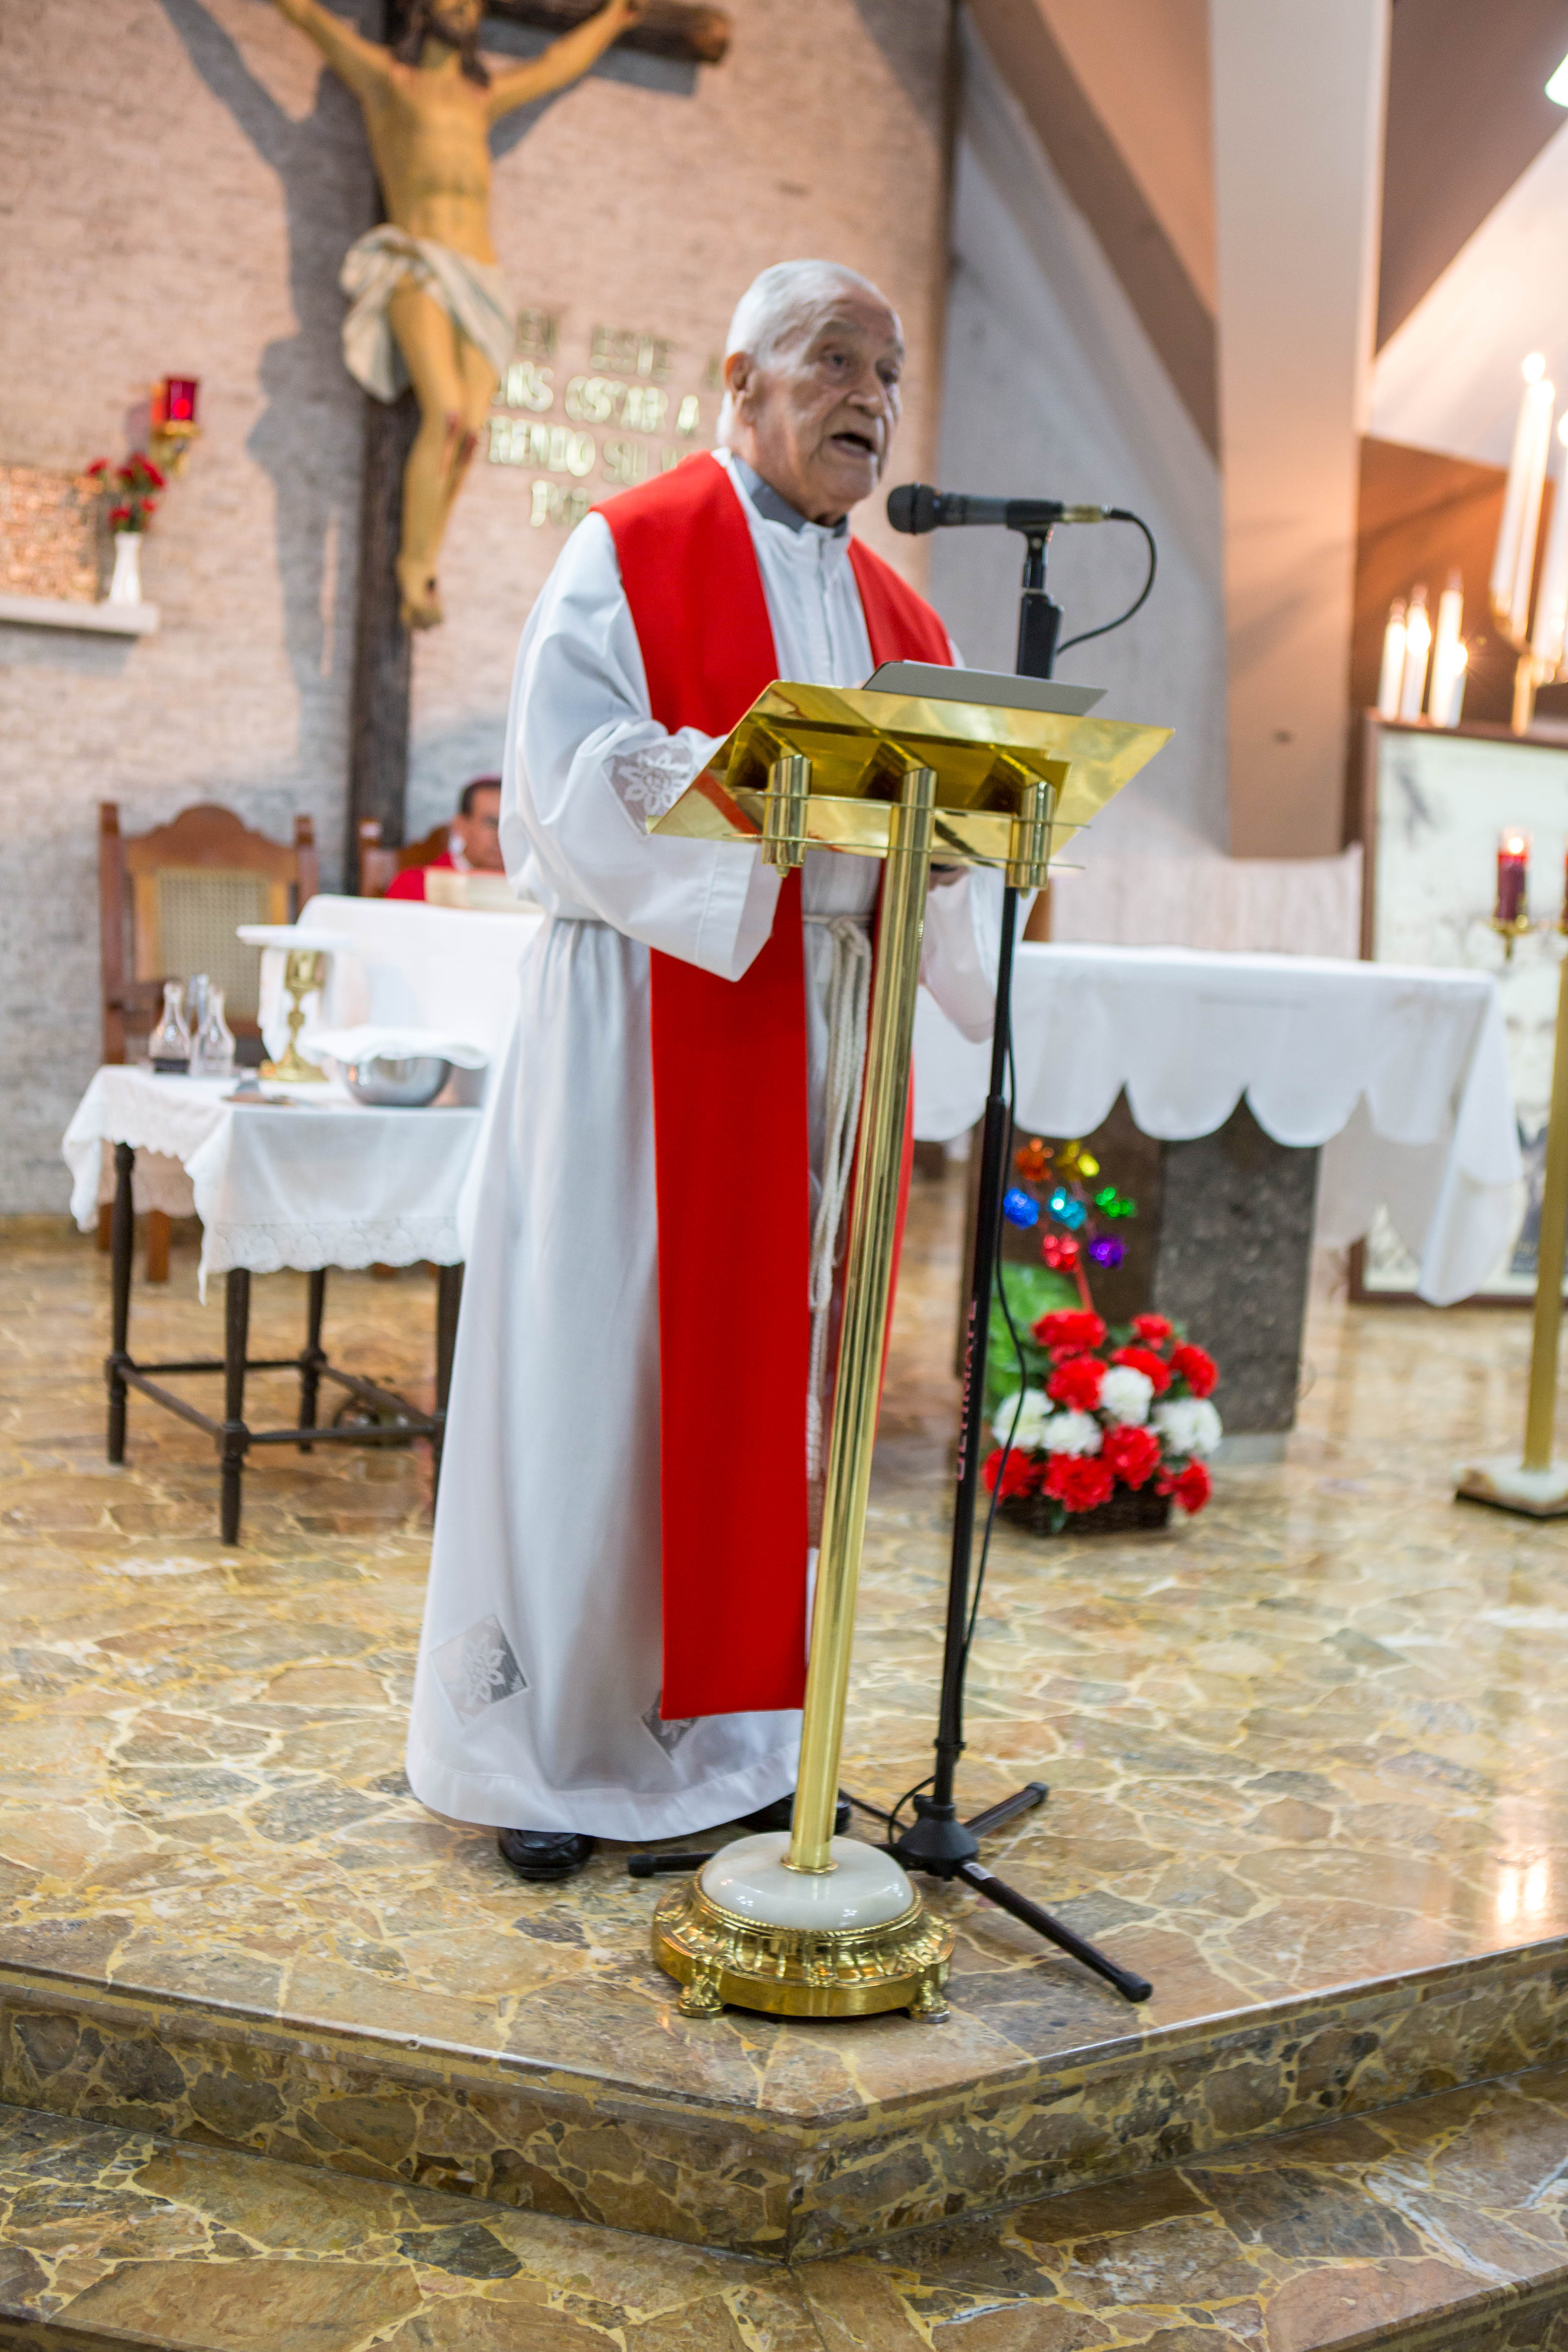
(175, 403)
(1512, 876)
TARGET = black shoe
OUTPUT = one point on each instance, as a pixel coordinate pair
(545, 1853)
(780, 1815)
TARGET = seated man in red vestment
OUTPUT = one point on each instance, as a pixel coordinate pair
(473, 845)
(614, 1631)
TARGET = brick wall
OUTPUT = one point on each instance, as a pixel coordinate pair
(187, 180)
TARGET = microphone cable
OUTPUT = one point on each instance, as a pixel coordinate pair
(1120, 514)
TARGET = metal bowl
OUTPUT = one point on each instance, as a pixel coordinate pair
(397, 1085)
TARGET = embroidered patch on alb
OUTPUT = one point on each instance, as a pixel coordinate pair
(479, 1669)
(668, 1735)
(649, 782)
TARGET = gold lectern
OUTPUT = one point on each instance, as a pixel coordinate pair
(806, 1924)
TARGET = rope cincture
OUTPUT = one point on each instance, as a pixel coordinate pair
(848, 1003)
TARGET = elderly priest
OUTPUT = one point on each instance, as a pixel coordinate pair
(615, 1628)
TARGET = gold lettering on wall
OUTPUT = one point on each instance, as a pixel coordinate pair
(623, 388)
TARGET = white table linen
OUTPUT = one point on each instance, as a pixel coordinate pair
(331, 1183)
(1400, 1075)
(410, 964)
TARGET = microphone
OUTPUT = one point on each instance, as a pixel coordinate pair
(915, 507)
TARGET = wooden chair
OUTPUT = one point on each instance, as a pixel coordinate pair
(379, 868)
(169, 902)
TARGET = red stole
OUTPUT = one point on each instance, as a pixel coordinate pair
(731, 1139)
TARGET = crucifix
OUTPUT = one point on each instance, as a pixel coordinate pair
(430, 325)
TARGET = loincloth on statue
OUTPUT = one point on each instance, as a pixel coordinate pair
(472, 293)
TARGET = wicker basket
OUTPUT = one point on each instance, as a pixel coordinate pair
(1131, 1511)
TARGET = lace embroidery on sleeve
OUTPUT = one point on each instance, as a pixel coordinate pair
(651, 781)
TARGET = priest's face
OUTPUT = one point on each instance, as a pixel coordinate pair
(815, 418)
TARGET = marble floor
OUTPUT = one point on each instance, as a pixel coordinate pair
(1307, 1771)
(1443, 2223)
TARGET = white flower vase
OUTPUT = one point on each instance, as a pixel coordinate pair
(125, 588)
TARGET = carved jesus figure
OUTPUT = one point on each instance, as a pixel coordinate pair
(428, 304)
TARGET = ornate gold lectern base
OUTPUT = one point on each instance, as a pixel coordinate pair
(810, 1925)
(718, 1957)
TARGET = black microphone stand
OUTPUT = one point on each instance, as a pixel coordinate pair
(938, 1842)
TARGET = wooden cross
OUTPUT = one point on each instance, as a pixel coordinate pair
(383, 667)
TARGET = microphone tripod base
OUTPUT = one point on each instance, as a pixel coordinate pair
(940, 1845)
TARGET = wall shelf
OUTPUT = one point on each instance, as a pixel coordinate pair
(104, 619)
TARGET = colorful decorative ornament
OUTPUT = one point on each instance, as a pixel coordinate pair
(1033, 1161)
(1020, 1208)
(1059, 1252)
(1106, 1252)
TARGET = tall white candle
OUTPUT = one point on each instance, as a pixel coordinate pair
(1552, 598)
(1418, 645)
(1450, 718)
(1444, 649)
(1540, 397)
(1506, 560)
(1392, 676)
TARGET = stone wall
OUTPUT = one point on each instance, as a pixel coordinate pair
(187, 180)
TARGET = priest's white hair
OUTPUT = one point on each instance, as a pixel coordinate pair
(781, 300)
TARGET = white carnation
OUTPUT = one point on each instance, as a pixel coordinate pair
(1033, 1415)
(1188, 1424)
(1070, 1433)
(1125, 1393)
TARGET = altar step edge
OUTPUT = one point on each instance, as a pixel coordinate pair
(769, 2182)
(1434, 2226)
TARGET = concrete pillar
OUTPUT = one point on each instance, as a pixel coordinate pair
(1299, 99)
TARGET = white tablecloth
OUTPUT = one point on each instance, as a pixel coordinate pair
(432, 966)
(1402, 1077)
(331, 1183)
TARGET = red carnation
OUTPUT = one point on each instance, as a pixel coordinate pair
(1077, 1382)
(1196, 1368)
(1074, 1328)
(98, 467)
(1153, 1329)
(1079, 1481)
(117, 515)
(1017, 1478)
(150, 473)
(1130, 1454)
(1144, 1360)
(1194, 1488)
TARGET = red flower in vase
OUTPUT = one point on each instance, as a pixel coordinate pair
(1077, 1382)
(1153, 1368)
(1153, 1329)
(1017, 1476)
(1079, 1482)
(119, 516)
(96, 470)
(1196, 1367)
(1130, 1454)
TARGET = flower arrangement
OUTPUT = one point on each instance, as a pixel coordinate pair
(132, 487)
(1104, 1415)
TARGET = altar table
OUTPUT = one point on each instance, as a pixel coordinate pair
(1400, 1075)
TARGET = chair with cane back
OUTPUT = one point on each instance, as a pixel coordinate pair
(170, 901)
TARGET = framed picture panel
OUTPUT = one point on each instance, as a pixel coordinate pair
(1436, 801)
